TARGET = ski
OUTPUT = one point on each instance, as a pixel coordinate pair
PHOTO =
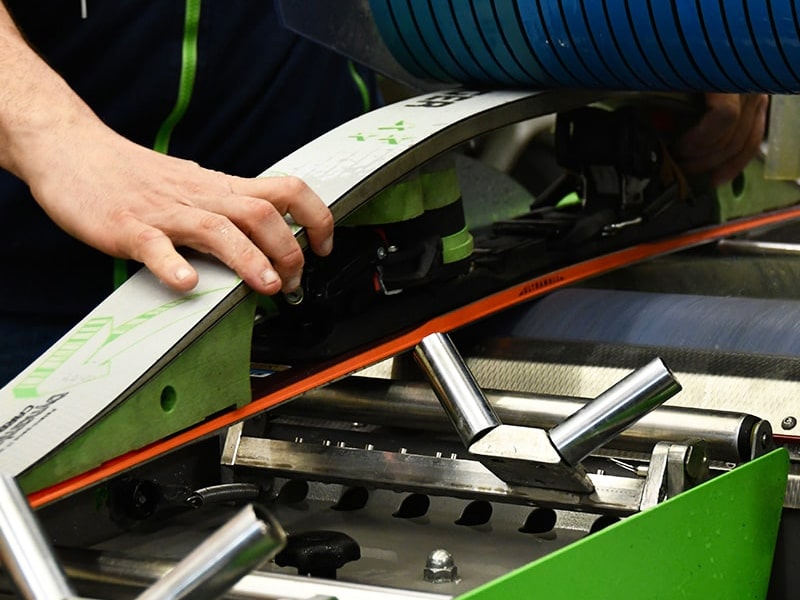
(143, 326)
(112, 357)
(304, 379)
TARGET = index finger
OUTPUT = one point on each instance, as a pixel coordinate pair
(291, 195)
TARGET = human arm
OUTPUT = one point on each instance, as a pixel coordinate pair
(726, 138)
(132, 202)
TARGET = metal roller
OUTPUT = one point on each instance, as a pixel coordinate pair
(731, 437)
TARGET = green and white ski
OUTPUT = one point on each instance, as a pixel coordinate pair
(143, 327)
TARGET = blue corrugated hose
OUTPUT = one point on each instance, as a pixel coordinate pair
(676, 45)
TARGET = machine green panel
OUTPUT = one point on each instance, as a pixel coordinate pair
(751, 193)
(714, 541)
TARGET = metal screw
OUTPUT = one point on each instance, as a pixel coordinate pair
(440, 568)
(381, 252)
(788, 423)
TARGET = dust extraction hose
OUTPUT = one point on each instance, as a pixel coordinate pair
(674, 45)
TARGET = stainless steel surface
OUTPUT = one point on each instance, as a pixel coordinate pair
(24, 550)
(735, 246)
(104, 570)
(456, 388)
(525, 456)
(674, 468)
(247, 540)
(655, 489)
(410, 472)
(769, 399)
(413, 405)
(614, 410)
(518, 455)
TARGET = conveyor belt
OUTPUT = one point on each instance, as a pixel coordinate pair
(724, 324)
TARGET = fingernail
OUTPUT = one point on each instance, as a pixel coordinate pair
(269, 277)
(182, 273)
(326, 246)
(293, 283)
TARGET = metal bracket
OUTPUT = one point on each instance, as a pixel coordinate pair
(674, 468)
(530, 456)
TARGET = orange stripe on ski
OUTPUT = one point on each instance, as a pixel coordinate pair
(445, 323)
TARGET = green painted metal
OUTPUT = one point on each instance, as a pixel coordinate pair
(751, 194)
(209, 376)
(714, 541)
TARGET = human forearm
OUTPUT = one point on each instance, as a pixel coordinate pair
(131, 202)
(36, 105)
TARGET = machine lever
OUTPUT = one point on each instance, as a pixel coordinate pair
(247, 540)
(621, 405)
(531, 456)
(456, 388)
(24, 550)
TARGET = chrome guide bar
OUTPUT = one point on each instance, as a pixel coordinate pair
(24, 550)
(251, 537)
(613, 410)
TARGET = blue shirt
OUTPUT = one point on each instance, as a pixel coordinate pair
(260, 92)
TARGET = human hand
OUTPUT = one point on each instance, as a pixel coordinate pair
(726, 138)
(132, 202)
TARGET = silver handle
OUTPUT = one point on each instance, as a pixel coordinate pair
(456, 388)
(614, 410)
(24, 550)
(251, 537)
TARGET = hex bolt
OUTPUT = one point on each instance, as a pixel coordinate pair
(788, 423)
(440, 568)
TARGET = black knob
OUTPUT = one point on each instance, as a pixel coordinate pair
(318, 553)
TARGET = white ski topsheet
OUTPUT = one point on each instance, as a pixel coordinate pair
(143, 323)
(337, 161)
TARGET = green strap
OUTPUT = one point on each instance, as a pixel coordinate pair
(191, 25)
(361, 85)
